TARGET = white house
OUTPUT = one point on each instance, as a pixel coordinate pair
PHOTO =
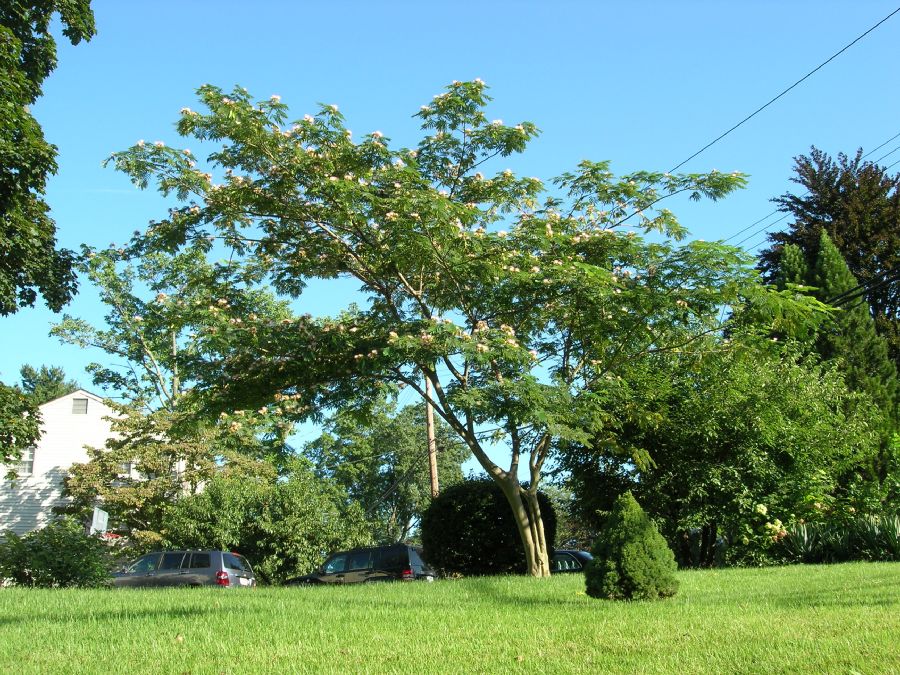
(69, 424)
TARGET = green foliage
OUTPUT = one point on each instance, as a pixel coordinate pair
(382, 462)
(29, 259)
(850, 337)
(516, 301)
(153, 460)
(857, 204)
(284, 526)
(631, 561)
(161, 311)
(20, 424)
(869, 537)
(469, 530)
(46, 384)
(59, 554)
(704, 443)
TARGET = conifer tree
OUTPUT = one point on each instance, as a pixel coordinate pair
(851, 336)
(858, 204)
(631, 561)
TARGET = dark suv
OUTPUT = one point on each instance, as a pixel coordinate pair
(186, 568)
(397, 562)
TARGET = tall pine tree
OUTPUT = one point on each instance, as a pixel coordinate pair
(850, 336)
(858, 204)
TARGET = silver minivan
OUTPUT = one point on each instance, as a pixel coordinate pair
(186, 568)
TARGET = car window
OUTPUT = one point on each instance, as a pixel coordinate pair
(391, 558)
(199, 561)
(233, 561)
(335, 564)
(361, 560)
(171, 560)
(564, 561)
(415, 558)
(144, 564)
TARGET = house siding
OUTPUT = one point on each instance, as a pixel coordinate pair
(27, 502)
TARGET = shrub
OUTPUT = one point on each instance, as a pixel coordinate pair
(59, 554)
(283, 526)
(868, 537)
(631, 561)
(469, 530)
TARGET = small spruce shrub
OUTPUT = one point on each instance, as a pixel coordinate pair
(631, 561)
(469, 530)
(57, 555)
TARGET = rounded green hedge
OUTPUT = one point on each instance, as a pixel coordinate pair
(469, 530)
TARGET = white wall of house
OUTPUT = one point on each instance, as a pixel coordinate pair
(67, 427)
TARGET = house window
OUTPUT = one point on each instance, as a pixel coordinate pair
(126, 467)
(79, 406)
(26, 464)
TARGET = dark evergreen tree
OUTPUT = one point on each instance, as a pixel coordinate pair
(858, 204)
(631, 561)
(851, 336)
(45, 384)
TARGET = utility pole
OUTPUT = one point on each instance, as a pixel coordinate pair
(432, 442)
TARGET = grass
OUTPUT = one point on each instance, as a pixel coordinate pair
(838, 619)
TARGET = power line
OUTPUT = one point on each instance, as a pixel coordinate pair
(863, 289)
(772, 100)
(886, 154)
(878, 147)
(763, 229)
(772, 213)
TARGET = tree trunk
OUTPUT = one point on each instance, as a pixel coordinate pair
(527, 514)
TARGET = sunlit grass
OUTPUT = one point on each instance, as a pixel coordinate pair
(839, 618)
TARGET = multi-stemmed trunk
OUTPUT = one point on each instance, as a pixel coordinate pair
(527, 514)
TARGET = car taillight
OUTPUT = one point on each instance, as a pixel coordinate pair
(407, 575)
(222, 578)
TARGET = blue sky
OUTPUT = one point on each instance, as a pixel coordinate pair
(644, 84)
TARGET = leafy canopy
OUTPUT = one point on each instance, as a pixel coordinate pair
(516, 301)
(30, 263)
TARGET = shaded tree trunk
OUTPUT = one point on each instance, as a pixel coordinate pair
(530, 524)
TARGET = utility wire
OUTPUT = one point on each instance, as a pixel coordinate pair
(772, 213)
(886, 154)
(863, 289)
(772, 100)
(878, 147)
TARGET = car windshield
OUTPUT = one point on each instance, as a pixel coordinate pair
(144, 564)
(233, 561)
(335, 564)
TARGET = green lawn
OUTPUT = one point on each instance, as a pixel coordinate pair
(838, 619)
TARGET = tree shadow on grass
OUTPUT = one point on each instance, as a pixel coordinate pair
(117, 615)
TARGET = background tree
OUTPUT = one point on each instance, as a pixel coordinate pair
(46, 383)
(858, 204)
(382, 462)
(20, 425)
(163, 447)
(723, 435)
(517, 329)
(849, 336)
(30, 263)
(285, 526)
(469, 530)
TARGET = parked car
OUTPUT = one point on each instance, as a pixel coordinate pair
(397, 562)
(565, 561)
(186, 568)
